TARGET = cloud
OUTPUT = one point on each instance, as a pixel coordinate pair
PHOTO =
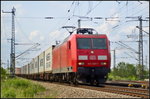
(112, 11)
(127, 30)
(41, 38)
(107, 25)
(116, 37)
(33, 34)
(102, 28)
(55, 35)
(114, 20)
(19, 9)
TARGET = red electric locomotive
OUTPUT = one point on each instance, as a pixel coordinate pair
(82, 57)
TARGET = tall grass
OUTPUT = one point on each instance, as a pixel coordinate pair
(19, 88)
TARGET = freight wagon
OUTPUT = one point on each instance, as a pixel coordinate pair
(17, 71)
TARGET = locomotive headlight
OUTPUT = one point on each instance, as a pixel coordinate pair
(102, 57)
(81, 63)
(92, 52)
(103, 63)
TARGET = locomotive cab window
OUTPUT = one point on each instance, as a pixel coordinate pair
(99, 43)
(91, 43)
(84, 43)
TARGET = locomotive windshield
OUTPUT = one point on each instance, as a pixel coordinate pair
(99, 43)
(84, 43)
(91, 43)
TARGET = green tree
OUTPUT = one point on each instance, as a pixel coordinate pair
(125, 71)
(130, 70)
(145, 72)
(3, 73)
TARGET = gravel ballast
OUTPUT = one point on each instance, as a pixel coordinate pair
(62, 91)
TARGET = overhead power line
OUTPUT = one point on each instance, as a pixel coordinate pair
(142, 30)
(31, 48)
(92, 8)
(22, 31)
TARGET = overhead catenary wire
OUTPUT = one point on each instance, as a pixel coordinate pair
(93, 8)
(131, 56)
(59, 23)
(71, 16)
(40, 18)
(66, 20)
(126, 46)
(122, 7)
(139, 11)
(22, 32)
(123, 22)
(71, 6)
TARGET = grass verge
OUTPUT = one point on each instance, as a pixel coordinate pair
(19, 88)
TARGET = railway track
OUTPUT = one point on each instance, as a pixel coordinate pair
(135, 92)
(135, 84)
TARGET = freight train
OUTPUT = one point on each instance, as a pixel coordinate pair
(82, 57)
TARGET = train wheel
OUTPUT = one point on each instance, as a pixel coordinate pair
(97, 83)
(75, 79)
(71, 83)
(92, 82)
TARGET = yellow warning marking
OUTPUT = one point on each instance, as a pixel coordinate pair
(143, 86)
(130, 85)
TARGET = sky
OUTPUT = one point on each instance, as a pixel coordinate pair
(31, 26)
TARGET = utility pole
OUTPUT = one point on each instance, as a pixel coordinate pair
(12, 54)
(114, 59)
(8, 66)
(140, 44)
(141, 47)
(146, 62)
